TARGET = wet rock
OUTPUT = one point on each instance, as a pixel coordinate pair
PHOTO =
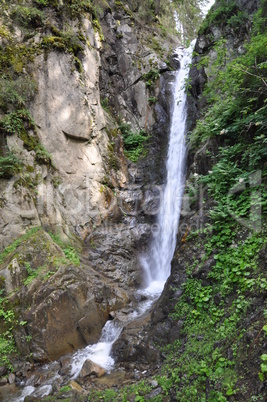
(175, 62)
(3, 381)
(217, 299)
(3, 370)
(90, 368)
(11, 378)
(31, 398)
(65, 362)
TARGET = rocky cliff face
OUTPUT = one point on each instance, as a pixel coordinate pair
(87, 73)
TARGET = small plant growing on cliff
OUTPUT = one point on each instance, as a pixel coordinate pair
(68, 250)
(9, 165)
(42, 156)
(263, 372)
(133, 142)
(151, 77)
(28, 17)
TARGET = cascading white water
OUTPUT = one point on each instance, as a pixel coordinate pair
(157, 262)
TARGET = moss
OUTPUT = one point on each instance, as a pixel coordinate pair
(113, 161)
(12, 247)
(112, 133)
(30, 141)
(68, 41)
(29, 169)
(120, 6)
(15, 57)
(97, 28)
(2, 284)
(78, 65)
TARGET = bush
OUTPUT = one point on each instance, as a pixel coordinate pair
(15, 122)
(16, 92)
(42, 156)
(28, 17)
(9, 165)
(133, 142)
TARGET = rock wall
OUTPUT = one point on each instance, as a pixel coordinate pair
(82, 187)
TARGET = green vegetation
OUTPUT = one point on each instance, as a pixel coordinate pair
(133, 142)
(213, 310)
(15, 93)
(12, 247)
(7, 323)
(67, 248)
(134, 392)
(150, 77)
(223, 286)
(28, 17)
(9, 165)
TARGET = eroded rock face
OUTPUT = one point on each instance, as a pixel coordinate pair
(65, 306)
(90, 189)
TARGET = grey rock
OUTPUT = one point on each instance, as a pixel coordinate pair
(11, 378)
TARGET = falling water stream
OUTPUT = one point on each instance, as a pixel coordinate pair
(157, 262)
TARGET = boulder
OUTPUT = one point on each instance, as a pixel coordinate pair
(91, 368)
(11, 378)
(76, 387)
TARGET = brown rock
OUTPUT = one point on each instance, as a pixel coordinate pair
(3, 381)
(76, 387)
(91, 368)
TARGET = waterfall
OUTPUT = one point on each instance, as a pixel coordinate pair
(157, 262)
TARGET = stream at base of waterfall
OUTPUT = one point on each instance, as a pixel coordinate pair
(156, 263)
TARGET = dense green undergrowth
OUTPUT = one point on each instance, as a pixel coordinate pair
(213, 359)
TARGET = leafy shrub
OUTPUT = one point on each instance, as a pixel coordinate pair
(15, 122)
(41, 3)
(28, 17)
(219, 14)
(133, 142)
(9, 165)
(42, 156)
(16, 92)
(151, 77)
